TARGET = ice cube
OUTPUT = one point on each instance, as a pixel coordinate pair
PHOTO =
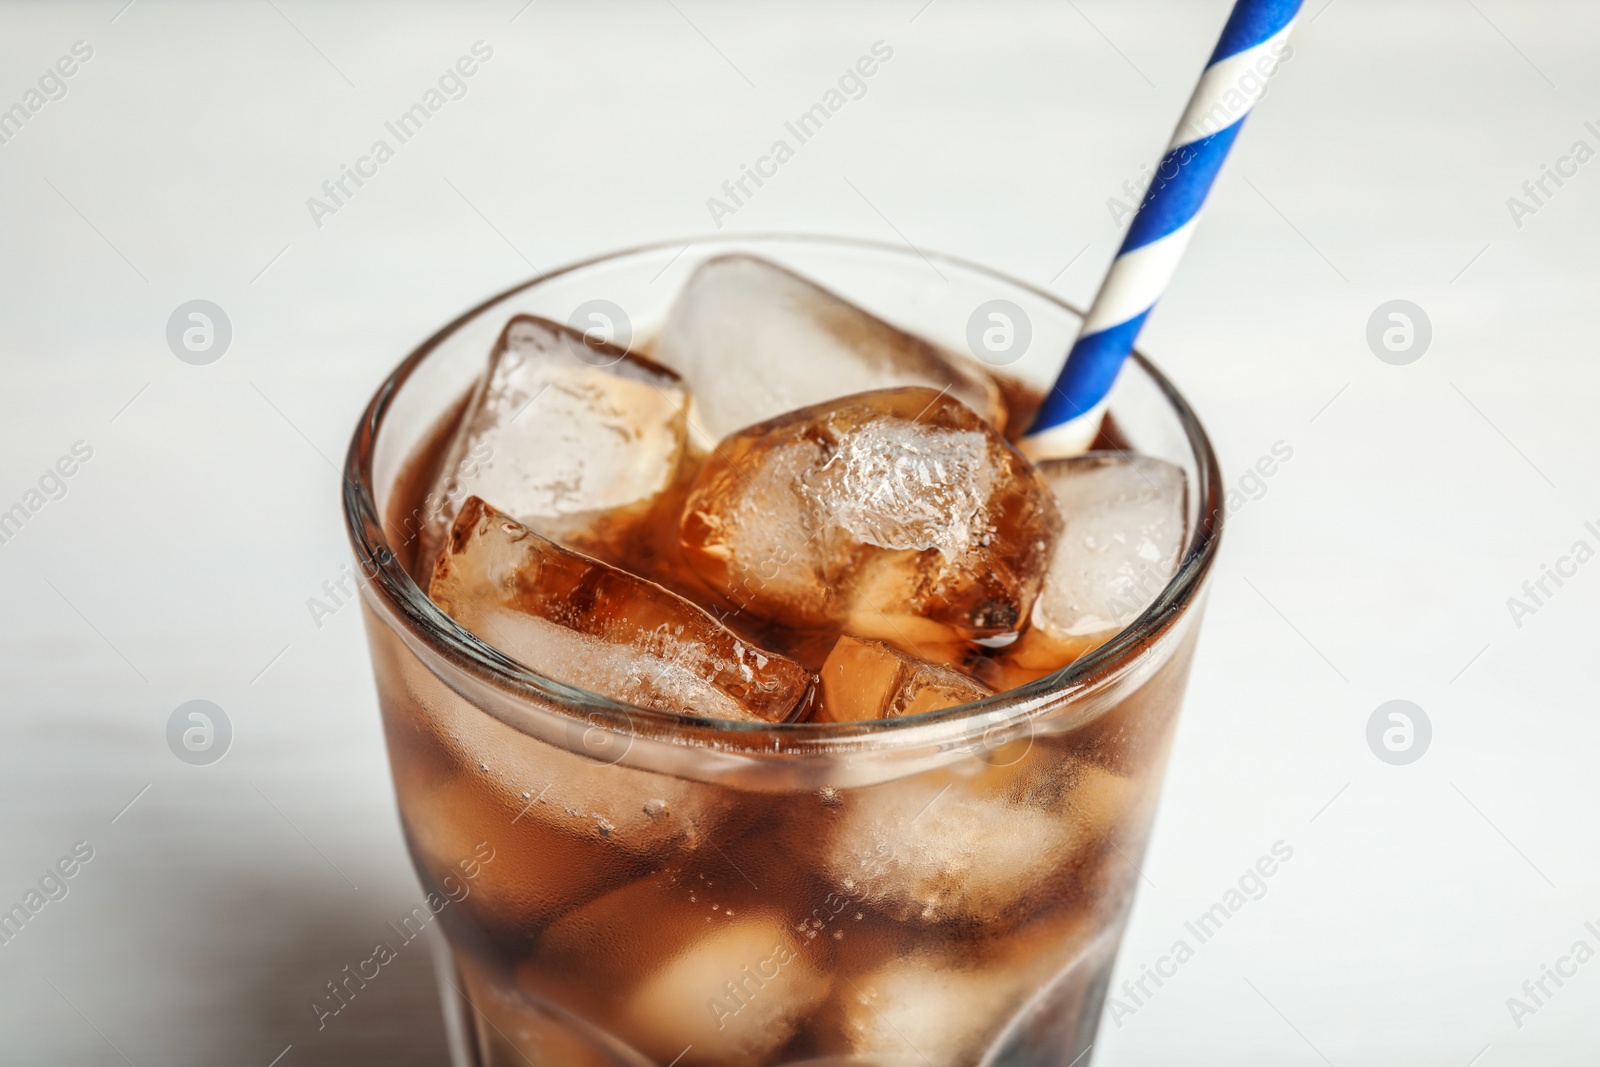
(560, 428)
(898, 515)
(757, 340)
(865, 679)
(733, 997)
(928, 850)
(925, 1007)
(973, 842)
(687, 972)
(527, 868)
(566, 822)
(944, 1005)
(930, 1008)
(585, 623)
(1123, 524)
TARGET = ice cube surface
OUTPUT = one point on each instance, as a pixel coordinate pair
(974, 843)
(933, 849)
(887, 514)
(926, 1008)
(1123, 520)
(930, 1009)
(561, 428)
(733, 997)
(865, 679)
(583, 622)
(690, 970)
(536, 868)
(758, 340)
(943, 1002)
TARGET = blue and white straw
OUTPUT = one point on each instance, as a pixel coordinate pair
(1253, 43)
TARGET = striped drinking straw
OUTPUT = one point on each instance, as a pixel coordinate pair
(1253, 43)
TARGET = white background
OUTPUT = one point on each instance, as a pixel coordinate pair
(1377, 564)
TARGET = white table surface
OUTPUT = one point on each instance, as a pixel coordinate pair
(1377, 564)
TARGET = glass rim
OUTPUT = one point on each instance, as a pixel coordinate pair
(407, 604)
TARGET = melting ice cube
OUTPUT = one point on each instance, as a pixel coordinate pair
(890, 514)
(583, 622)
(1123, 524)
(563, 427)
(758, 341)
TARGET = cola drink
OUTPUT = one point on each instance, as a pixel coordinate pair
(805, 719)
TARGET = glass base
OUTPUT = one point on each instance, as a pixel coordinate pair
(502, 1028)
(458, 1023)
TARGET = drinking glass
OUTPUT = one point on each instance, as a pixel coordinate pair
(620, 886)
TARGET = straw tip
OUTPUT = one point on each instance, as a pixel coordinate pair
(1071, 438)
